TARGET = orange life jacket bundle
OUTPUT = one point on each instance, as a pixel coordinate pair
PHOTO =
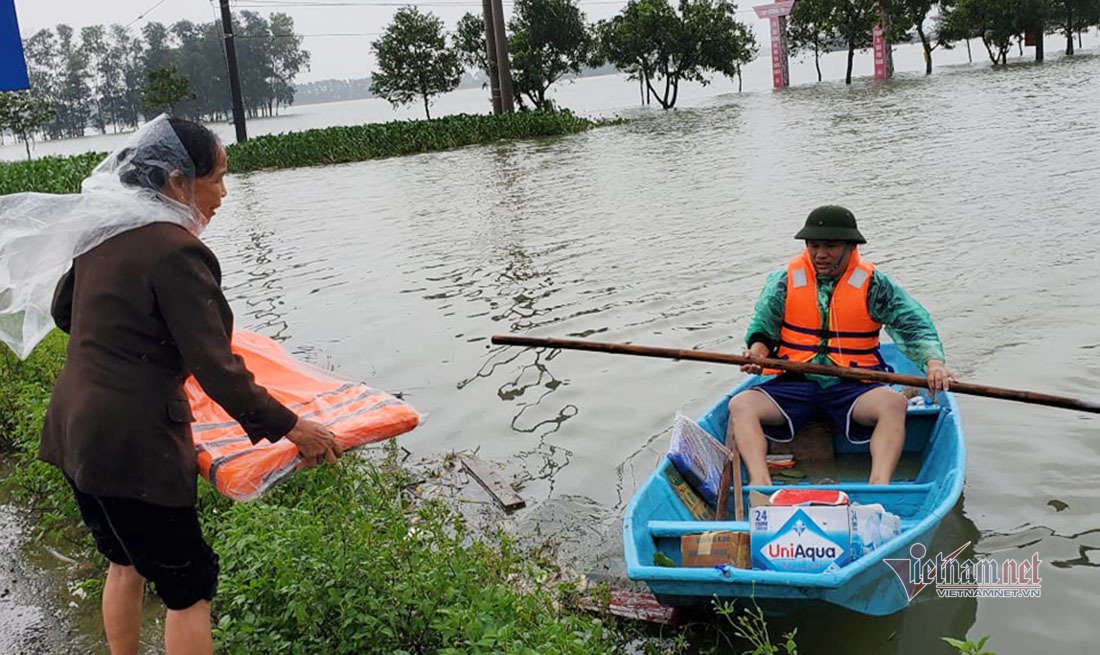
(355, 413)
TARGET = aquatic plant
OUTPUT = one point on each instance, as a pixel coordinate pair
(48, 174)
(335, 145)
(331, 145)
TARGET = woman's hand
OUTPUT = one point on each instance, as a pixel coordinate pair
(315, 442)
(756, 350)
(939, 377)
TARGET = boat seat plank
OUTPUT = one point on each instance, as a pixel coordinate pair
(664, 529)
(672, 529)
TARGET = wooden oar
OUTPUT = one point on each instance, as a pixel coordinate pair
(798, 367)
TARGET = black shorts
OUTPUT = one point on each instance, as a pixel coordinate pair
(164, 545)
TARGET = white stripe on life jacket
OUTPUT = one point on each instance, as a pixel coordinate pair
(859, 276)
(799, 275)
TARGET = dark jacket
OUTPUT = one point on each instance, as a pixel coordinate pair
(145, 309)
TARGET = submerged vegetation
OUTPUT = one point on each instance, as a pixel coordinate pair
(335, 145)
(48, 174)
(332, 145)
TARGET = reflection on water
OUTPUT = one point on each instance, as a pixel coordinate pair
(975, 187)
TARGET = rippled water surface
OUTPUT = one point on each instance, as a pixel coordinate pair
(976, 188)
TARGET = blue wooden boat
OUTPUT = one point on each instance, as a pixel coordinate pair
(656, 518)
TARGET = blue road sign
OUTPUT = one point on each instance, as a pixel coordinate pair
(13, 68)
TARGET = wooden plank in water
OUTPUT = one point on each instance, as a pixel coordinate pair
(637, 605)
(501, 491)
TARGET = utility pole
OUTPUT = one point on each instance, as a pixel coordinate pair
(491, 53)
(234, 73)
(504, 63)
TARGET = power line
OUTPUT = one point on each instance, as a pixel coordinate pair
(145, 13)
(306, 36)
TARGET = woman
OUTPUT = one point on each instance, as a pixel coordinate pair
(144, 309)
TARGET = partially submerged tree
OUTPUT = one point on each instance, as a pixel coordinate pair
(810, 30)
(470, 43)
(23, 115)
(621, 43)
(1074, 16)
(1032, 17)
(287, 60)
(995, 21)
(914, 13)
(164, 89)
(549, 39)
(414, 60)
(853, 20)
(660, 44)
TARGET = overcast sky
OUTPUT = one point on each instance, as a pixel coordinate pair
(333, 56)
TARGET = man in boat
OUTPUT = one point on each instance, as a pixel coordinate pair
(827, 306)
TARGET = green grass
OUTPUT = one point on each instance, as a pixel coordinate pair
(332, 145)
(24, 394)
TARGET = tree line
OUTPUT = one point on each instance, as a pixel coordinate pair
(817, 26)
(661, 43)
(653, 41)
(112, 78)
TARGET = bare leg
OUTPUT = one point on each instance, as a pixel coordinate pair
(122, 596)
(187, 632)
(885, 409)
(749, 411)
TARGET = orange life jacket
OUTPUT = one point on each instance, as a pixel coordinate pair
(355, 413)
(852, 336)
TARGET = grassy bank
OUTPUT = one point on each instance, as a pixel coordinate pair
(332, 145)
(340, 559)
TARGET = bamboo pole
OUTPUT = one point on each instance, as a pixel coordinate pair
(1016, 395)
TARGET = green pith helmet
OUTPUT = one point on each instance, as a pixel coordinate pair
(831, 223)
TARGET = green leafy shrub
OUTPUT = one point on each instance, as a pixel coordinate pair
(48, 174)
(335, 561)
(25, 388)
(335, 145)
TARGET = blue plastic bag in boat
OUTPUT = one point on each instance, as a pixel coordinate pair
(698, 457)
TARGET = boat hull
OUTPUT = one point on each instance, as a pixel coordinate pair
(656, 518)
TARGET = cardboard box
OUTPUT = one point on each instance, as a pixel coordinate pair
(800, 539)
(710, 549)
(695, 504)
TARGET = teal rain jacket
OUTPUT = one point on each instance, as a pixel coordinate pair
(904, 319)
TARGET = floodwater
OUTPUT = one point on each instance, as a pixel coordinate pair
(975, 187)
